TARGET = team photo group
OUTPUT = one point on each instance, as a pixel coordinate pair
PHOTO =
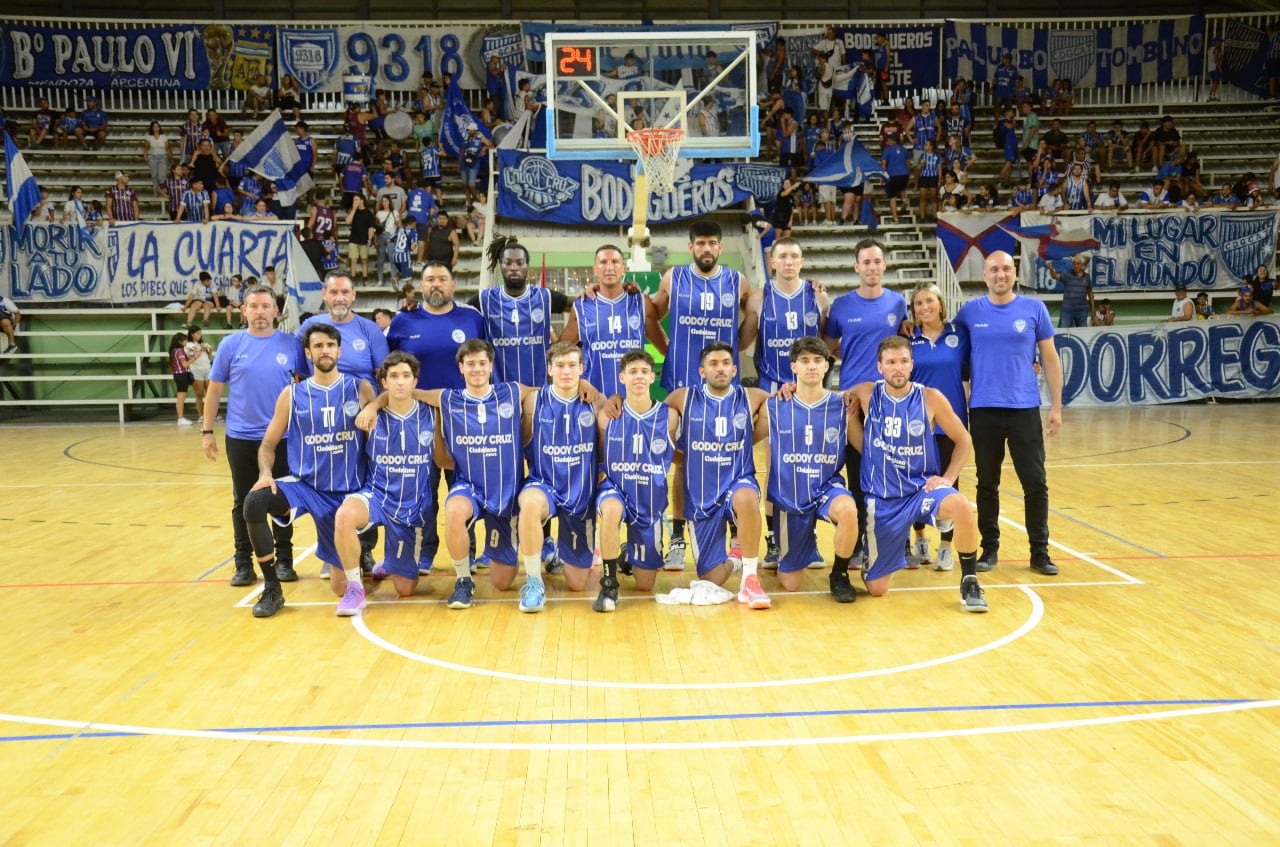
(357, 426)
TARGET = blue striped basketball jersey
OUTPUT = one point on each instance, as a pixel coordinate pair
(400, 450)
(1074, 193)
(519, 328)
(608, 329)
(715, 436)
(429, 161)
(637, 458)
(562, 451)
(325, 449)
(806, 444)
(703, 309)
(899, 451)
(783, 319)
(930, 165)
(482, 435)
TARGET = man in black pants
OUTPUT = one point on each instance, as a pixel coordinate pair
(1007, 334)
(257, 363)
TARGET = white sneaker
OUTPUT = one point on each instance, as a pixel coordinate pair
(183, 422)
(674, 560)
(922, 550)
(945, 561)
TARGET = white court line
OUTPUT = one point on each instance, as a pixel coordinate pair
(113, 484)
(1076, 554)
(83, 727)
(1037, 612)
(246, 600)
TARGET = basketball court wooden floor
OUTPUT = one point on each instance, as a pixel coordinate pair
(1131, 700)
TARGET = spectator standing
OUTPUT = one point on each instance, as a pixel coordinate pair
(442, 241)
(1077, 293)
(362, 235)
(122, 201)
(157, 150)
(215, 128)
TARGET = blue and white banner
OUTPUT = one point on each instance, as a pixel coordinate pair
(1170, 363)
(913, 52)
(184, 57)
(148, 262)
(395, 57)
(1127, 54)
(966, 239)
(1244, 56)
(533, 187)
(1155, 251)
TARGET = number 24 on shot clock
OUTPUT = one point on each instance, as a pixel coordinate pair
(576, 60)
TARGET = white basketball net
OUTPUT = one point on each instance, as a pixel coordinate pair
(657, 149)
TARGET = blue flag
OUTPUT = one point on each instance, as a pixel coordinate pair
(269, 151)
(852, 164)
(458, 121)
(24, 192)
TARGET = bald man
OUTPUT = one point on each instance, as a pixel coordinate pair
(1007, 334)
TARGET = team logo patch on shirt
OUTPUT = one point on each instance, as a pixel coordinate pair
(1019, 325)
(658, 446)
(740, 420)
(633, 322)
(282, 359)
(889, 319)
(505, 410)
(727, 299)
(458, 336)
(536, 315)
(952, 341)
(586, 417)
(831, 434)
(351, 407)
(916, 428)
(424, 437)
(811, 319)
(358, 344)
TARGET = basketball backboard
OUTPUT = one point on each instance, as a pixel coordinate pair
(602, 84)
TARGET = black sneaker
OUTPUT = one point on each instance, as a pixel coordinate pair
(971, 595)
(1042, 564)
(607, 599)
(285, 571)
(271, 601)
(244, 575)
(842, 588)
(986, 561)
(366, 562)
(625, 568)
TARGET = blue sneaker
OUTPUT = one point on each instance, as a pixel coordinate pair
(550, 557)
(480, 562)
(463, 593)
(533, 597)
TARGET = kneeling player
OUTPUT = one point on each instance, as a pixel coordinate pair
(397, 495)
(637, 451)
(900, 470)
(806, 442)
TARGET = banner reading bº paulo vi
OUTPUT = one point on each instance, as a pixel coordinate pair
(1170, 363)
(534, 187)
(148, 262)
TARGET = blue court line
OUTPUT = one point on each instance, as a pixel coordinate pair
(730, 716)
(215, 568)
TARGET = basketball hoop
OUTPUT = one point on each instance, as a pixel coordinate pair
(657, 148)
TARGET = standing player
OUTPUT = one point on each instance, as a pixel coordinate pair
(785, 310)
(432, 334)
(900, 470)
(256, 363)
(326, 462)
(636, 453)
(858, 322)
(396, 496)
(704, 300)
(1007, 333)
(560, 446)
(364, 348)
(806, 438)
(612, 323)
(517, 318)
(719, 479)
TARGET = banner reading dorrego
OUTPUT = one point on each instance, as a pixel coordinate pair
(1171, 362)
(148, 262)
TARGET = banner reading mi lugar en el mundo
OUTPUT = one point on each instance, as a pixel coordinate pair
(148, 262)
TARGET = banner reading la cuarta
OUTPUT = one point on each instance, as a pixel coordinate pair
(148, 262)
(1171, 363)
(185, 57)
(533, 187)
(1146, 251)
(1098, 57)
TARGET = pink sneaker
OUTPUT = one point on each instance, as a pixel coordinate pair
(735, 548)
(352, 603)
(752, 594)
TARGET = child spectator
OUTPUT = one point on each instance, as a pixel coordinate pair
(200, 362)
(1103, 315)
(181, 374)
(1204, 309)
(231, 299)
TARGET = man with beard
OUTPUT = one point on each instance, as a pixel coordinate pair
(363, 349)
(432, 334)
(517, 318)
